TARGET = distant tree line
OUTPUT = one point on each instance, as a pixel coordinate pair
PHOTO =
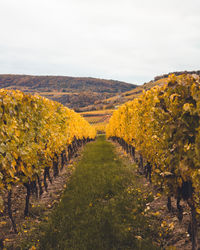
(177, 73)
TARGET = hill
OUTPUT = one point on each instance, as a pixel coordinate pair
(114, 101)
(119, 99)
(73, 92)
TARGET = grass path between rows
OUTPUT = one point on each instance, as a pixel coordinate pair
(102, 206)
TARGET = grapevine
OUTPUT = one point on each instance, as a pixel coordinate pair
(163, 126)
(36, 134)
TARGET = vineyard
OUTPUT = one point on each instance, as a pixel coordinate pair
(162, 127)
(38, 137)
(98, 119)
(105, 202)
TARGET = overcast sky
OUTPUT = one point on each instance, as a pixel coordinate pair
(128, 40)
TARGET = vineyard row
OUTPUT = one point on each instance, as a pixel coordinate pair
(35, 135)
(162, 125)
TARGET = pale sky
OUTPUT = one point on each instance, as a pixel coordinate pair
(127, 40)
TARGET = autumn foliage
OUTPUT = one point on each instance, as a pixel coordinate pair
(163, 126)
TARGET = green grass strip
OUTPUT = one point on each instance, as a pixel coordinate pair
(102, 207)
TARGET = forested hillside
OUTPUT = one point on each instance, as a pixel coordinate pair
(73, 92)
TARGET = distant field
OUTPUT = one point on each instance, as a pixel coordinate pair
(107, 111)
(98, 119)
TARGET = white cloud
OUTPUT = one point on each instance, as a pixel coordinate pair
(130, 40)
